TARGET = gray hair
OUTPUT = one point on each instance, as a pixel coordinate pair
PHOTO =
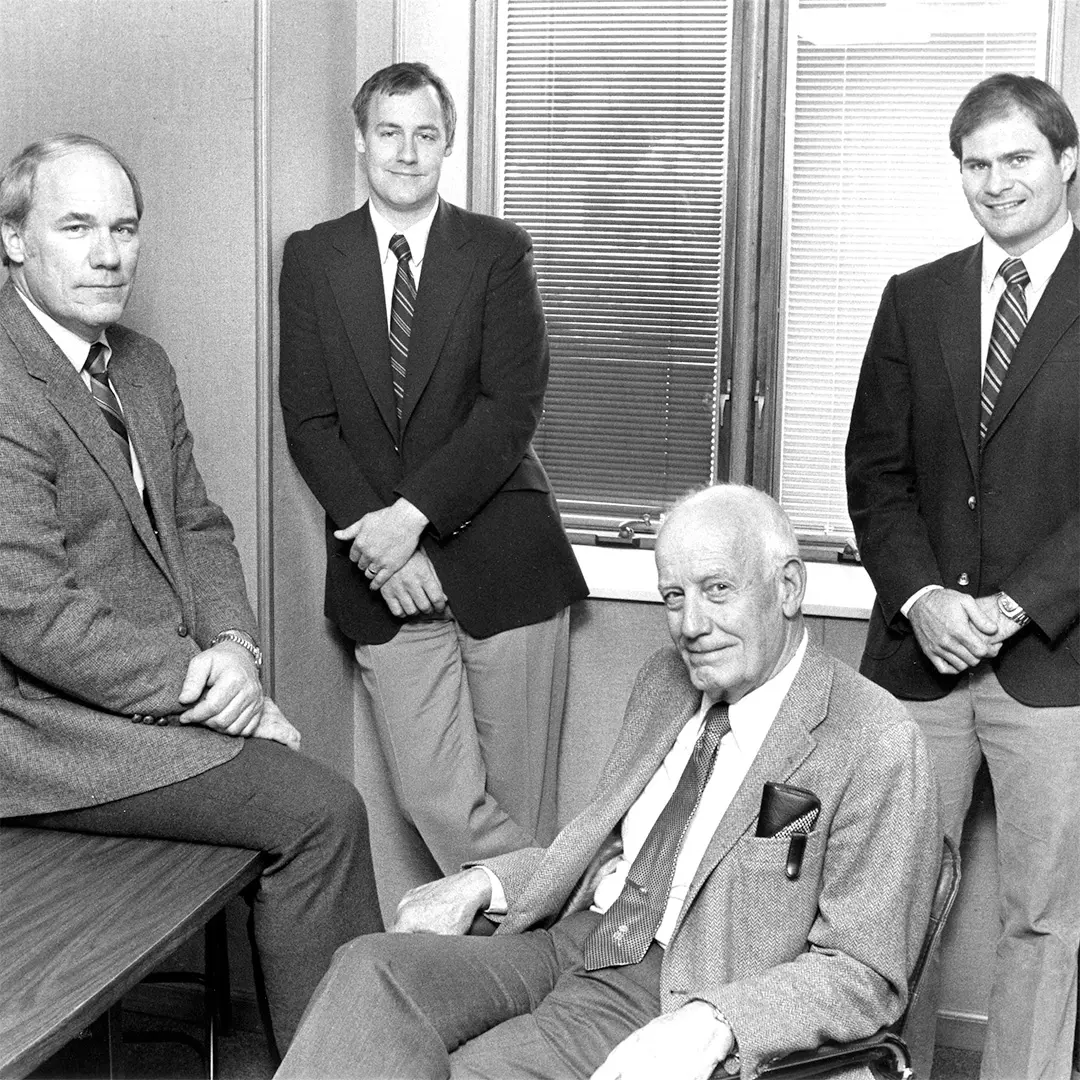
(18, 179)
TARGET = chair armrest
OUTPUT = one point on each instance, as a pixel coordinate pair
(885, 1053)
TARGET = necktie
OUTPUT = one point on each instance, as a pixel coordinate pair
(107, 401)
(401, 316)
(627, 928)
(1009, 322)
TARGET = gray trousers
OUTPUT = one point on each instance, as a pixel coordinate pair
(1033, 755)
(419, 1006)
(469, 729)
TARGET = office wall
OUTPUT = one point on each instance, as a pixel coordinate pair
(146, 76)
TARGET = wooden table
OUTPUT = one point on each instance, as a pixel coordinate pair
(83, 918)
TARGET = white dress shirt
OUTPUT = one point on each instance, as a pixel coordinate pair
(416, 237)
(76, 350)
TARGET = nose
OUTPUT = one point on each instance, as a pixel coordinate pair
(407, 151)
(998, 179)
(694, 624)
(105, 252)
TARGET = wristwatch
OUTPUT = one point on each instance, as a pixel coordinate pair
(238, 637)
(1012, 610)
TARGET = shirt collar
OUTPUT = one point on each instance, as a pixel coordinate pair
(416, 235)
(70, 344)
(1040, 262)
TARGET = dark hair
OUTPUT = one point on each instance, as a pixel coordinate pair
(18, 179)
(1002, 94)
(403, 78)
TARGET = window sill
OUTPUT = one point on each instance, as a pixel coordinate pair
(833, 590)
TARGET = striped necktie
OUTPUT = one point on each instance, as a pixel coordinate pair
(1009, 322)
(626, 930)
(401, 317)
(107, 401)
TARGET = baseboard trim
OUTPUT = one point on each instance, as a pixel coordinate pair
(962, 1031)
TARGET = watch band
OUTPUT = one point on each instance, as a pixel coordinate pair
(1012, 610)
(238, 637)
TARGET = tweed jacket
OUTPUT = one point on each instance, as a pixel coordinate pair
(99, 617)
(477, 370)
(789, 963)
(932, 507)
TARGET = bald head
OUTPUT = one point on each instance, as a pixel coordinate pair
(732, 582)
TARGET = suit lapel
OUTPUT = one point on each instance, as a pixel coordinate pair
(355, 278)
(786, 747)
(448, 261)
(1057, 311)
(67, 393)
(961, 342)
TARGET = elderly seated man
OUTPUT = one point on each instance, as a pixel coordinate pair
(780, 844)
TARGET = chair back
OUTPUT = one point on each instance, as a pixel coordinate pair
(944, 895)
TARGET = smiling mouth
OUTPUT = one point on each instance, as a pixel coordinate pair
(1011, 205)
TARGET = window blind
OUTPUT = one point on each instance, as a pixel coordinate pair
(613, 147)
(872, 190)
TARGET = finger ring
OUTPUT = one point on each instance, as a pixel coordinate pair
(370, 571)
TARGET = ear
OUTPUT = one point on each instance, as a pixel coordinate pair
(361, 146)
(792, 584)
(13, 242)
(1067, 161)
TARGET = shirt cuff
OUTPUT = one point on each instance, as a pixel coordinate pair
(910, 603)
(497, 906)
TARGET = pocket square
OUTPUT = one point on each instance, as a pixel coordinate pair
(791, 812)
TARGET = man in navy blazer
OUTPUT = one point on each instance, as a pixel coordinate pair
(964, 489)
(447, 563)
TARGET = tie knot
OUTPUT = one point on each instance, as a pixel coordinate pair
(95, 359)
(400, 247)
(1014, 272)
(717, 722)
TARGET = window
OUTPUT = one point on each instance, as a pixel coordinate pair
(873, 190)
(625, 145)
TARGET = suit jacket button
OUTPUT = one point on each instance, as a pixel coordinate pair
(182, 630)
(971, 502)
(963, 579)
(136, 719)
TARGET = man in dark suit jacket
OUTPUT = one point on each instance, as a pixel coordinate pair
(964, 489)
(130, 700)
(750, 950)
(447, 563)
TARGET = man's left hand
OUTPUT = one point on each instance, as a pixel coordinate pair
(223, 690)
(383, 540)
(686, 1044)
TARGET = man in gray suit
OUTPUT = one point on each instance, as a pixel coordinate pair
(780, 843)
(130, 700)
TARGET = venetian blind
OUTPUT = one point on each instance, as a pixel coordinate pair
(613, 144)
(872, 190)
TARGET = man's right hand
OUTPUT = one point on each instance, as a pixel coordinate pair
(446, 906)
(415, 589)
(953, 630)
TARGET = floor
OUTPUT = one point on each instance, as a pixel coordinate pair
(244, 1056)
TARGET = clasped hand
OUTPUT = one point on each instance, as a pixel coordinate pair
(383, 540)
(957, 631)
